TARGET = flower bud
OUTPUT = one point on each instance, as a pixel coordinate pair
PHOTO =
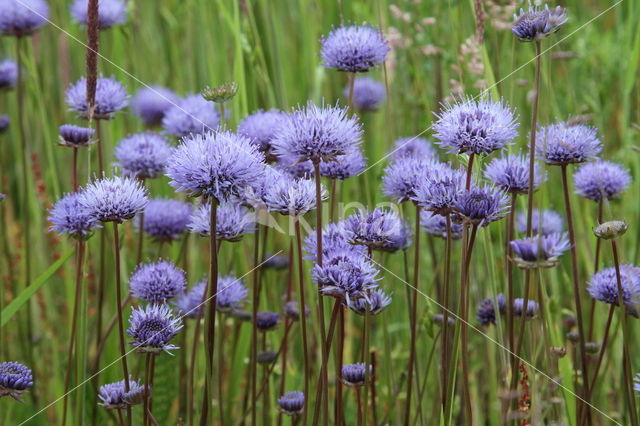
(557, 351)
(611, 230)
(221, 93)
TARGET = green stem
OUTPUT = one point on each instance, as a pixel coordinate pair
(414, 318)
(254, 330)
(303, 317)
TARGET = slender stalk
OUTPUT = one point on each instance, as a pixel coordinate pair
(254, 329)
(147, 386)
(74, 322)
(303, 316)
(140, 233)
(192, 367)
(532, 140)
(366, 361)
(210, 314)
(596, 266)
(352, 80)
(445, 312)
(221, 339)
(414, 318)
(510, 292)
(265, 380)
(374, 369)
(74, 170)
(576, 285)
(287, 321)
(359, 400)
(151, 379)
(339, 420)
(467, 185)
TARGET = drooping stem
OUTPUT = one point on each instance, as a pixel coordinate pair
(532, 140)
(74, 322)
(303, 316)
(254, 329)
(414, 318)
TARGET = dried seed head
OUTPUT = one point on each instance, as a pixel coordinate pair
(611, 230)
(220, 94)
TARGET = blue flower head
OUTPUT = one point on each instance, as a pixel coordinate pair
(114, 397)
(413, 146)
(152, 102)
(487, 312)
(113, 199)
(15, 379)
(111, 97)
(562, 143)
(481, 206)
(346, 275)
(68, 216)
(356, 48)
(192, 114)
(290, 196)
(335, 238)
(165, 220)
(537, 24)
(354, 375)
(436, 225)
(375, 303)
(5, 121)
(292, 403)
(511, 173)
(232, 221)
(110, 12)
(532, 307)
(190, 303)
(603, 285)
(545, 222)
(8, 74)
(350, 164)
(379, 229)
(231, 293)
(157, 281)
(540, 251)
(266, 321)
(75, 136)
(601, 180)
(143, 155)
(404, 175)
(22, 17)
(261, 128)
(439, 188)
(152, 327)
(368, 93)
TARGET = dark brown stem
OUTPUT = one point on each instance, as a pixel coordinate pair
(605, 339)
(414, 318)
(374, 369)
(510, 293)
(352, 80)
(255, 293)
(147, 387)
(140, 234)
(467, 185)
(74, 170)
(303, 316)
(287, 321)
(359, 400)
(596, 266)
(339, 361)
(192, 366)
(532, 141)
(445, 312)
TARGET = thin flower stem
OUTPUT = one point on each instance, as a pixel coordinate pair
(303, 316)
(339, 420)
(255, 293)
(74, 170)
(366, 361)
(221, 339)
(152, 374)
(147, 387)
(333, 200)
(510, 292)
(445, 312)
(359, 401)
(532, 140)
(287, 321)
(192, 369)
(596, 267)
(414, 318)
(352, 80)
(467, 185)
(374, 369)
(140, 234)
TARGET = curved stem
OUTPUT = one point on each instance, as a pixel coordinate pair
(414, 318)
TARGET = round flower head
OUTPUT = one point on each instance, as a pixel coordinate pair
(439, 189)
(335, 238)
(368, 93)
(377, 301)
(75, 136)
(15, 379)
(292, 311)
(318, 133)
(413, 147)
(353, 375)
(114, 397)
(8, 74)
(532, 308)
(380, 229)
(266, 321)
(143, 155)
(537, 24)
(511, 173)
(111, 97)
(113, 199)
(344, 166)
(475, 127)
(486, 312)
(231, 293)
(5, 121)
(603, 285)
(436, 225)
(110, 12)
(68, 216)
(22, 17)
(403, 176)
(232, 221)
(157, 281)
(215, 165)
(545, 222)
(481, 206)
(601, 180)
(561, 144)
(151, 103)
(355, 48)
(290, 196)
(291, 165)
(192, 114)
(292, 403)
(261, 128)
(189, 304)
(152, 327)
(541, 251)
(165, 220)
(345, 275)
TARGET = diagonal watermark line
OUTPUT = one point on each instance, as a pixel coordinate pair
(485, 91)
(151, 337)
(500, 345)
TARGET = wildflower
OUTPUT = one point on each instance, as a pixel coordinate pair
(292, 403)
(232, 221)
(353, 375)
(562, 143)
(15, 379)
(403, 176)
(111, 97)
(354, 48)
(114, 397)
(189, 304)
(266, 321)
(540, 251)
(346, 275)
(151, 103)
(290, 196)
(380, 229)
(439, 188)
(152, 327)
(481, 206)
(68, 216)
(350, 164)
(5, 121)
(21, 18)
(231, 293)
(157, 281)
(292, 311)
(436, 225)
(413, 146)
(368, 93)
(220, 94)
(537, 24)
(544, 222)
(143, 155)
(335, 238)
(266, 357)
(115, 199)
(375, 303)
(511, 173)
(75, 136)
(611, 229)
(165, 220)
(603, 285)
(110, 12)
(190, 115)
(261, 128)
(486, 312)
(532, 307)
(8, 74)
(601, 180)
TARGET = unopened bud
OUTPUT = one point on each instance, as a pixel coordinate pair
(592, 347)
(266, 357)
(557, 351)
(221, 93)
(610, 230)
(573, 336)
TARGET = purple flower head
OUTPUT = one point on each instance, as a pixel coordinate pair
(266, 321)
(439, 189)
(375, 303)
(353, 375)
(475, 127)
(292, 403)
(344, 166)
(561, 144)
(152, 102)
(111, 96)
(436, 225)
(413, 146)
(8, 74)
(5, 121)
(114, 199)
(403, 176)
(368, 93)
(345, 275)
(15, 379)
(114, 397)
(75, 136)
(292, 311)
(231, 293)
(165, 220)
(379, 229)
(189, 304)
(540, 251)
(232, 221)
(192, 114)
(110, 12)
(317, 133)
(481, 206)
(532, 307)
(601, 180)
(22, 17)
(261, 128)
(486, 312)
(217, 165)
(335, 238)
(290, 196)
(152, 327)
(603, 285)
(537, 24)
(68, 216)
(355, 48)
(289, 164)
(511, 173)
(157, 281)
(143, 155)
(545, 223)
